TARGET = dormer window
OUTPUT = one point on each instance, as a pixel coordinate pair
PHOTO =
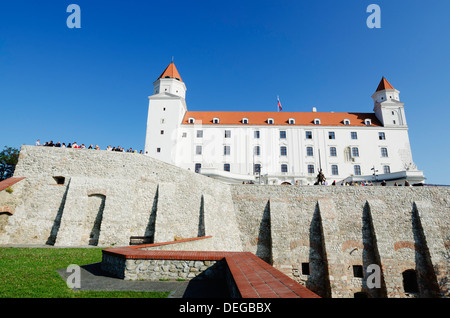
(270, 121)
(346, 122)
(245, 120)
(367, 122)
(291, 121)
(317, 121)
(215, 120)
(191, 120)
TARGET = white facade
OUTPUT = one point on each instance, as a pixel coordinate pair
(288, 147)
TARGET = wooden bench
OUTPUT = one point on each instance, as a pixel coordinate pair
(139, 240)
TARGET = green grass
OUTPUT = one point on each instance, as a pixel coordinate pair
(31, 273)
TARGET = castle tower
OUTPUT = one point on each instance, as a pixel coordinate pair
(166, 110)
(387, 106)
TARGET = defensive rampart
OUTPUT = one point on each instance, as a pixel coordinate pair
(325, 237)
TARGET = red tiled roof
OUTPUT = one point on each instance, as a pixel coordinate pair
(281, 118)
(171, 72)
(384, 84)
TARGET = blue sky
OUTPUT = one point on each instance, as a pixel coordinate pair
(91, 85)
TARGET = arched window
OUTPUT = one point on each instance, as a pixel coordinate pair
(216, 120)
(191, 120)
(317, 121)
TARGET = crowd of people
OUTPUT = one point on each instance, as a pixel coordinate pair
(83, 146)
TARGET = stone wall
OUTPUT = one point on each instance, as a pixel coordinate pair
(160, 269)
(333, 228)
(140, 196)
(318, 235)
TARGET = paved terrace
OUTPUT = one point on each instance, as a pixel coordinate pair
(252, 277)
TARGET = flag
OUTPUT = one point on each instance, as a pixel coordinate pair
(279, 104)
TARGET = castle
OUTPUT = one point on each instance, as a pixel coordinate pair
(324, 237)
(281, 147)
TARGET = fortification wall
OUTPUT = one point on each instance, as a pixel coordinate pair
(319, 235)
(332, 228)
(107, 197)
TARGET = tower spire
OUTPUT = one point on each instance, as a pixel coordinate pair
(384, 84)
(171, 72)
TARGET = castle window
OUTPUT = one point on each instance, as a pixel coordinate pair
(393, 122)
(334, 170)
(226, 150)
(184, 135)
(59, 180)
(191, 120)
(354, 135)
(215, 120)
(308, 135)
(256, 168)
(158, 149)
(270, 121)
(226, 167)
(357, 170)
(198, 167)
(283, 151)
(358, 271)
(368, 122)
(384, 152)
(305, 269)
(198, 150)
(199, 133)
(310, 169)
(309, 151)
(291, 121)
(284, 168)
(245, 120)
(355, 152)
(346, 122)
(333, 152)
(257, 151)
(283, 134)
(162, 132)
(386, 169)
(410, 281)
(381, 136)
(256, 134)
(317, 121)
(331, 135)
(227, 133)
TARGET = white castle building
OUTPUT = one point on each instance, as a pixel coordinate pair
(281, 147)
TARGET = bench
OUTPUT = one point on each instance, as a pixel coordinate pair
(139, 240)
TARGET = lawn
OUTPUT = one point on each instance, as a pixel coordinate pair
(31, 273)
